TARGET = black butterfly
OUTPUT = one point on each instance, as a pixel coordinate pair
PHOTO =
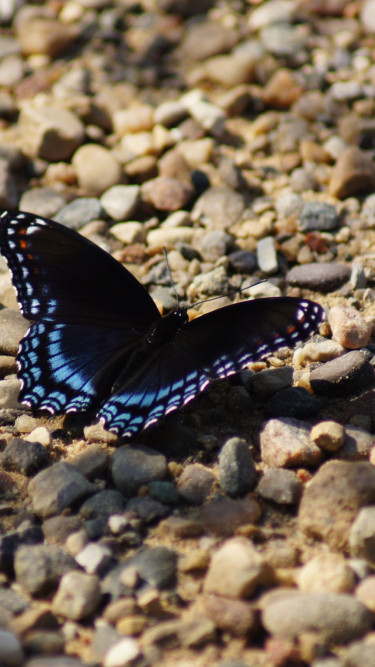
(97, 339)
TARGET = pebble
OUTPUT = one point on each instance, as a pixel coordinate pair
(267, 256)
(362, 535)
(9, 391)
(237, 474)
(281, 486)
(358, 278)
(167, 194)
(271, 380)
(165, 492)
(318, 215)
(367, 16)
(136, 119)
(77, 596)
(322, 277)
(326, 573)
(57, 488)
(328, 435)
(218, 208)
(156, 566)
(97, 169)
(40, 435)
(214, 245)
(42, 201)
(349, 328)
(102, 504)
(210, 116)
(93, 462)
(42, 35)
(340, 618)
(24, 457)
(357, 446)
(295, 402)
(196, 483)
(49, 132)
(353, 173)
(237, 617)
(122, 653)
(286, 442)
(360, 653)
(12, 328)
(237, 570)
(170, 235)
(273, 11)
(208, 284)
(224, 517)
(365, 592)
(321, 351)
(302, 180)
(147, 509)
(120, 201)
(330, 503)
(79, 212)
(343, 375)
(57, 529)
(12, 541)
(39, 567)
(135, 466)
(11, 653)
(242, 261)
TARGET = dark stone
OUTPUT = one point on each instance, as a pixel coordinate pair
(24, 457)
(293, 402)
(236, 468)
(12, 541)
(321, 277)
(39, 568)
(343, 375)
(102, 505)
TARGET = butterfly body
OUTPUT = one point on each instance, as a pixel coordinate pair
(97, 340)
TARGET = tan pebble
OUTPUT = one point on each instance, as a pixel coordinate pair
(328, 572)
(97, 168)
(131, 625)
(349, 328)
(365, 592)
(329, 435)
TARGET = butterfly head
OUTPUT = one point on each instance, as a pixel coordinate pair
(167, 327)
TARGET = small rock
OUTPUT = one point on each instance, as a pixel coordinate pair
(129, 232)
(362, 535)
(11, 653)
(237, 472)
(234, 616)
(78, 595)
(9, 391)
(147, 509)
(136, 465)
(326, 573)
(57, 488)
(167, 194)
(79, 212)
(365, 592)
(242, 261)
(341, 618)
(359, 654)
(353, 173)
(24, 457)
(322, 277)
(170, 235)
(40, 435)
(367, 16)
(102, 505)
(295, 402)
(58, 528)
(12, 541)
(286, 442)
(267, 256)
(42, 201)
(329, 435)
(122, 653)
(281, 486)
(50, 132)
(358, 444)
(120, 201)
(225, 516)
(97, 169)
(237, 569)
(318, 215)
(196, 484)
(39, 567)
(331, 501)
(342, 376)
(94, 558)
(12, 328)
(272, 380)
(219, 207)
(349, 328)
(214, 245)
(39, 35)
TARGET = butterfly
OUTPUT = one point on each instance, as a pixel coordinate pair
(97, 340)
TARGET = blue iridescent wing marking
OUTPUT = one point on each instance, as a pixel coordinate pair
(97, 340)
(87, 313)
(210, 347)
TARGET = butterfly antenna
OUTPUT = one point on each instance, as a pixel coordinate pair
(231, 293)
(170, 275)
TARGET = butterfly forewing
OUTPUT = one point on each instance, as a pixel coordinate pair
(97, 339)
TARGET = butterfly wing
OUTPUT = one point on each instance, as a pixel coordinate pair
(87, 313)
(213, 346)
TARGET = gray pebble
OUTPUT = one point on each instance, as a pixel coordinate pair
(210, 284)
(39, 567)
(12, 328)
(286, 442)
(281, 486)
(24, 457)
(242, 261)
(147, 509)
(341, 618)
(120, 201)
(79, 212)
(165, 492)
(11, 653)
(321, 277)
(271, 380)
(357, 445)
(289, 205)
(215, 244)
(360, 654)
(196, 483)
(78, 595)
(10, 543)
(156, 566)
(318, 215)
(294, 402)
(93, 462)
(136, 465)
(358, 278)
(9, 391)
(343, 375)
(237, 472)
(58, 528)
(58, 487)
(102, 505)
(303, 179)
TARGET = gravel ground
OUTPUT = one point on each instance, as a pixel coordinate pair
(240, 532)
